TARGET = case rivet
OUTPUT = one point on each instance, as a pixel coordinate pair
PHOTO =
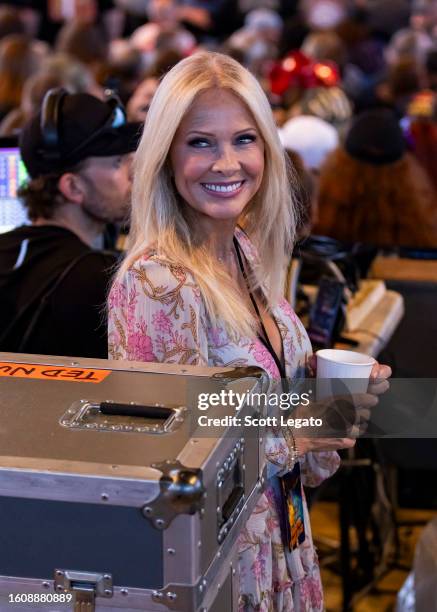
(171, 551)
(159, 523)
(147, 511)
(108, 592)
(104, 497)
(157, 595)
(107, 577)
(124, 592)
(59, 573)
(60, 588)
(46, 584)
(171, 596)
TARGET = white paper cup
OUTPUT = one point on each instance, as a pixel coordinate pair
(335, 364)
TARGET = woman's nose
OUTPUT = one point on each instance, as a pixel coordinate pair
(227, 161)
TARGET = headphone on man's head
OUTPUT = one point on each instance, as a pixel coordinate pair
(50, 115)
(50, 122)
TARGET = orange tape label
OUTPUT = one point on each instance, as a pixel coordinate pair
(29, 370)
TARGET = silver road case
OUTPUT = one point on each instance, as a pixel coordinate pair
(111, 495)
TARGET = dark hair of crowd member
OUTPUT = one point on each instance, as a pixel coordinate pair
(41, 195)
(304, 193)
(18, 61)
(10, 21)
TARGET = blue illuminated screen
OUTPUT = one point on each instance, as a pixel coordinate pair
(12, 175)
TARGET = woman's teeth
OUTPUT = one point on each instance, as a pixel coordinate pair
(223, 188)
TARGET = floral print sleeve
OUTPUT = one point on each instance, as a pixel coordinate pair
(318, 466)
(155, 313)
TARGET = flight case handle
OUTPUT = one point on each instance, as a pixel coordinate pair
(84, 586)
(135, 410)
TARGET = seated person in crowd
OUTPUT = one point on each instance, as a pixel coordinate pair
(420, 125)
(139, 102)
(373, 191)
(59, 70)
(53, 281)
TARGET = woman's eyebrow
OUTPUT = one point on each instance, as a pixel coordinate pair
(247, 129)
(200, 132)
(204, 133)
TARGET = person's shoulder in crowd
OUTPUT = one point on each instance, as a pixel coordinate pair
(51, 261)
(49, 246)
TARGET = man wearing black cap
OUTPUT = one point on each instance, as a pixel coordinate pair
(53, 280)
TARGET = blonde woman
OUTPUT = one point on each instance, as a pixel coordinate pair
(197, 289)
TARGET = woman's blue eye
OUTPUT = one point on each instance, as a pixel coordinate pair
(246, 138)
(201, 143)
(198, 142)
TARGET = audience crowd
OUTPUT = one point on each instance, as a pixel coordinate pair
(321, 62)
(352, 84)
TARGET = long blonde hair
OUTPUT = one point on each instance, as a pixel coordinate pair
(157, 213)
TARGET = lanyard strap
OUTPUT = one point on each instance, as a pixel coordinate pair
(264, 339)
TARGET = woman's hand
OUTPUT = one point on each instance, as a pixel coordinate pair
(361, 406)
(378, 382)
(343, 419)
(348, 418)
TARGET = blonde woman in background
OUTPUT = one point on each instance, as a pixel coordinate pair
(195, 288)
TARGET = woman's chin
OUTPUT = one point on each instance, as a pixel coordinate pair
(224, 211)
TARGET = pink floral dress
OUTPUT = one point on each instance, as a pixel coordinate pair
(156, 313)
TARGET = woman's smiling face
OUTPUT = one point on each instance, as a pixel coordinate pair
(217, 156)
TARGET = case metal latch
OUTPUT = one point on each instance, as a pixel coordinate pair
(85, 586)
(181, 492)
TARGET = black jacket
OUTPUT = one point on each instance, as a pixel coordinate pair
(72, 320)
